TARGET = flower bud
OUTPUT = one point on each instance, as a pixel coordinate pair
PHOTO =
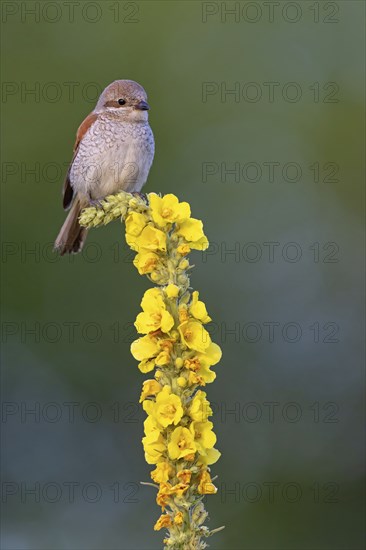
(172, 291)
(181, 381)
(155, 276)
(183, 264)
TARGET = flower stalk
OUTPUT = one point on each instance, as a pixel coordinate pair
(176, 347)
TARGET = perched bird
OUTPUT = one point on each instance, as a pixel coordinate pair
(113, 151)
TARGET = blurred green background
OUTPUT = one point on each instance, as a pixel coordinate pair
(282, 278)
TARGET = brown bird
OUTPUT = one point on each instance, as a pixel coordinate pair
(113, 151)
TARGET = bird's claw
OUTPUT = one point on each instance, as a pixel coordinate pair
(141, 196)
(97, 203)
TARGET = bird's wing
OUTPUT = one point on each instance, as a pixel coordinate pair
(67, 190)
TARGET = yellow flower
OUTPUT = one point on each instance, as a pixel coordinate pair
(211, 457)
(190, 457)
(135, 223)
(167, 409)
(192, 363)
(179, 489)
(172, 291)
(163, 359)
(206, 487)
(145, 347)
(181, 443)
(168, 209)
(153, 449)
(166, 490)
(149, 387)
(203, 435)
(198, 309)
(164, 521)
(194, 335)
(154, 315)
(178, 518)
(162, 472)
(205, 375)
(145, 262)
(184, 476)
(200, 363)
(163, 496)
(166, 344)
(200, 409)
(183, 249)
(192, 231)
(151, 429)
(150, 238)
(183, 313)
(194, 379)
(211, 356)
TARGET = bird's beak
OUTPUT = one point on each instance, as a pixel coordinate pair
(142, 106)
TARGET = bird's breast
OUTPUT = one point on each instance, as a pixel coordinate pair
(112, 157)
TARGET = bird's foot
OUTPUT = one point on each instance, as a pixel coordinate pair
(97, 203)
(141, 196)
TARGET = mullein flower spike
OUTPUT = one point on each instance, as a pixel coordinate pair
(176, 347)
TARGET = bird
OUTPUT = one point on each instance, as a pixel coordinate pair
(113, 152)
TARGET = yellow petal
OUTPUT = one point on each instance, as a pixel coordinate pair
(146, 366)
(135, 223)
(191, 230)
(149, 387)
(198, 309)
(144, 348)
(194, 335)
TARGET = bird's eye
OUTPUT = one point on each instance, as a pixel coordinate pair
(121, 101)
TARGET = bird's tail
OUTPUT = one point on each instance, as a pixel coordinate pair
(72, 236)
